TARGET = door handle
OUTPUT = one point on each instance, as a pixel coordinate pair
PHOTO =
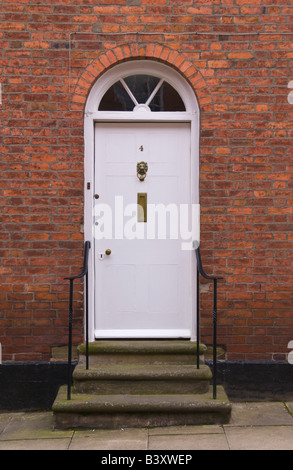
(108, 252)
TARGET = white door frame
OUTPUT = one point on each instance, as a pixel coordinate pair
(93, 116)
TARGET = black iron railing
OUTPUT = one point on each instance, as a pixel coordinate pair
(201, 272)
(71, 279)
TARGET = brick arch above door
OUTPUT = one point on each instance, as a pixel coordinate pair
(153, 52)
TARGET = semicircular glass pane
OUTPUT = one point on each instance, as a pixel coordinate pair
(142, 87)
(167, 99)
(116, 99)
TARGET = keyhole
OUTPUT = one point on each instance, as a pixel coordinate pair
(141, 148)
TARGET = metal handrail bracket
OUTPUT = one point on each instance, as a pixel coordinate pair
(70, 319)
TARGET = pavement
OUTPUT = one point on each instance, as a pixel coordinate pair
(253, 426)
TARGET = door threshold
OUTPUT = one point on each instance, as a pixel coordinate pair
(142, 334)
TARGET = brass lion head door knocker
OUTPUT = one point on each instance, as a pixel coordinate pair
(141, 169)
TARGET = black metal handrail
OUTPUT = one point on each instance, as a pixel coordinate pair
(214, 279)
(71, 279)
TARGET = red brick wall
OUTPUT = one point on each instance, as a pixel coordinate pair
(237, 54)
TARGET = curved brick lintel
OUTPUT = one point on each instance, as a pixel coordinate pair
(124, 53)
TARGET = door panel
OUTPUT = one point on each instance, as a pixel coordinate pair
(143, 289)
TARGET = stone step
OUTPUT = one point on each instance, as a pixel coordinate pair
(121, 411)
(140, 378)
(142, 351)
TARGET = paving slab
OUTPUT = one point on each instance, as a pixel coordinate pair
(35, 444)
(260, 413)
(260, 437)
(189, 430)
(128, 439)
(204, 441)
(32, 426)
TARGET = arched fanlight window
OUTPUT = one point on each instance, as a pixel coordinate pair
(141, 92)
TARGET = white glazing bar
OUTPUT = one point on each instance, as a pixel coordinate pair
(129, 92)
(154, 92)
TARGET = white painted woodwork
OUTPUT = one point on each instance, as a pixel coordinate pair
(143, 288)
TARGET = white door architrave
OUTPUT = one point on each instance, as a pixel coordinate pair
(94, 117)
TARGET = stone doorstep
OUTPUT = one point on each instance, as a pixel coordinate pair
(142, 346)
(140, 383)
(135, 378)
(141, 351)
(118, 411)
(103, 359)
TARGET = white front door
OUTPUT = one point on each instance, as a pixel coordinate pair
(144, 288)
